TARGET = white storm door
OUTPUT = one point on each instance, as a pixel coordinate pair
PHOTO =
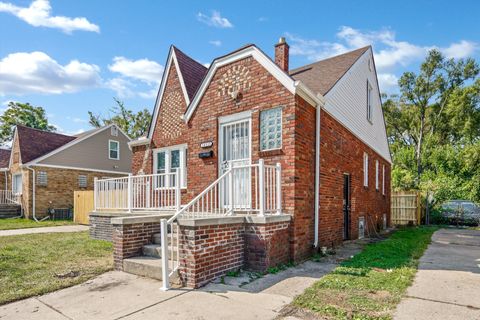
(235, 151)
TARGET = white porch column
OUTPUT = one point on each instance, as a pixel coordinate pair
(261, 187)
(279, 187)
(95, 190)
(164, 243)
(178, 195)
(129, 193)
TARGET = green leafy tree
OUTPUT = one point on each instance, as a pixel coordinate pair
(22, 114)
(133, 124)
(433, 128)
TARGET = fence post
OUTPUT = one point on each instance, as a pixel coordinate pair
(129, 193)
(164, 243)
(261, 187)
(95, 189)
(230, 189)
(178, 196)
(279, 188)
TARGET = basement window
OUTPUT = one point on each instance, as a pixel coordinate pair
(42, 178)
(271, 129)
(82, 181)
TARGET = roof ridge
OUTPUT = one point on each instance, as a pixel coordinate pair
(44, 131)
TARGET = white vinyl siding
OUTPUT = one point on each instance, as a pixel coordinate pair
(377, 175)
(365, 170)
(167, 160)
(42, 179)
(369, 102)
(346, 103)
(271, 129)
(113, 150)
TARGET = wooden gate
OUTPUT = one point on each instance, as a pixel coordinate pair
(405, 208)
(82, 206)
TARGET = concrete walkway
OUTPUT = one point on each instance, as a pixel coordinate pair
(447, 285)
(72, 228)
(118, 295)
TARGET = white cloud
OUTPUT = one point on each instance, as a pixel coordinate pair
(36, 72)
(216, 43)
(122, 87)
(38, 14)
(387, 81)
(215, 20)
(143, 69)
(462, 49)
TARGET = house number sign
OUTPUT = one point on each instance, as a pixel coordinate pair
(206, 144)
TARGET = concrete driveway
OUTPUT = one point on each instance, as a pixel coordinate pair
(447, 285)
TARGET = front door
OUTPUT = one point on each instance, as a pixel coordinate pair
(235, 152)
(346, 206)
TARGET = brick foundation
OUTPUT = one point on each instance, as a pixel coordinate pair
(130, 235)
(209, 248)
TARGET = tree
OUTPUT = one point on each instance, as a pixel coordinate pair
(433, 128)
(133, 124)
(22, 114)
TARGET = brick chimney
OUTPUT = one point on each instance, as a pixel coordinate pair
(281, 54)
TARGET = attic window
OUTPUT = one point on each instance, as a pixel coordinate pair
(42, 178)
(369, 102)
(114, 131)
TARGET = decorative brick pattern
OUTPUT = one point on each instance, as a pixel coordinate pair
(235, 79)
(129, 239)
(172, 115)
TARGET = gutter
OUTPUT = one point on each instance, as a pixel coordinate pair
(33, 195)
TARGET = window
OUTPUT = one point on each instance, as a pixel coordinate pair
(114, 131)
(377, 175)
(17, 183)
(82, 181)
(41, 178)
(113, 150)
(365, 169)
(369, 102)
(383, 179)
(271, 129)
(167, 160)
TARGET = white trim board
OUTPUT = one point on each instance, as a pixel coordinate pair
(75, 168)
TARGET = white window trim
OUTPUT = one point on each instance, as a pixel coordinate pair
(365, 169)
(281, 135)
(369, 102)
(377, 175)
(14, 183)
(118, 149)
(183, 163)
(383, 179)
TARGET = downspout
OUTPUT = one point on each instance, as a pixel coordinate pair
(33, 195)
(317, 173)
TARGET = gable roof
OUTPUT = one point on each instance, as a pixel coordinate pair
(4, 158)
(321, 76)
(191, 71)
(35, 143)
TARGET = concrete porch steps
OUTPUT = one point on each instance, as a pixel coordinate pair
(155, 250)
(157, 239)
(144, 266)
(10, 210)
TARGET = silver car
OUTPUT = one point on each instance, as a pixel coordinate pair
(461, 212)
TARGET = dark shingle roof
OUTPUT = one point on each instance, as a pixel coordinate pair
(4, 158)
(321, 76)
(35, 143)
(192, 72)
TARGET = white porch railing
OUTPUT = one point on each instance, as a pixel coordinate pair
(142, 192)
(246, 189)
(9, 197)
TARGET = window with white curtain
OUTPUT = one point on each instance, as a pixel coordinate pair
(377, 175)
(365, 169)
(168, 160)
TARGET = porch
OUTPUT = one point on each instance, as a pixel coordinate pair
(10, 204)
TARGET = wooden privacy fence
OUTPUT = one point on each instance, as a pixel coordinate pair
(82, 206)
(406, 207)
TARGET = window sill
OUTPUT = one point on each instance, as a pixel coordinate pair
(270, 153)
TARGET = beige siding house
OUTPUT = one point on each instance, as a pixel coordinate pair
(45, 168)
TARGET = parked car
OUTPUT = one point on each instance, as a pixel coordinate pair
(461, 212)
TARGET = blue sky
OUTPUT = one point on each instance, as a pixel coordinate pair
(74, 56)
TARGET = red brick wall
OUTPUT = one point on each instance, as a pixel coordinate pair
(342, 152)
(266, 245)
(208, 252)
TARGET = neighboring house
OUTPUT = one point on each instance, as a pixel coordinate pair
(302, 153)
(45, 168)
(4, 159)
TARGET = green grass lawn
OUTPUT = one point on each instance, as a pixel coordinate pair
(372, 283)
(8, 224)
(35, 264)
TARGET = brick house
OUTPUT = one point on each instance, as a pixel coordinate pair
(269, 164)
(43, 169)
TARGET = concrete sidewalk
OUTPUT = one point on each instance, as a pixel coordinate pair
(72, 228)
(118, 295)
(447, 285)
